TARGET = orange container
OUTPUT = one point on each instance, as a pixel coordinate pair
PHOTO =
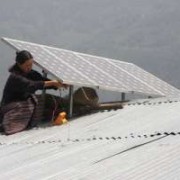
(61, 119)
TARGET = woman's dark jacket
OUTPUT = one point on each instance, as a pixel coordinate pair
(18, 105)
(20, 86)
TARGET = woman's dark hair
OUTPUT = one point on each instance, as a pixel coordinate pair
(23, 56)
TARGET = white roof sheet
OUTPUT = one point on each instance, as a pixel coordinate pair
(131, 143)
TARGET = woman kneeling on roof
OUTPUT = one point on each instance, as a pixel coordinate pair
(19, 102)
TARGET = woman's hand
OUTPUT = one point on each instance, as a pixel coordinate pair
(56, 84)
(53, 83)
(59, 84)
(65, 86)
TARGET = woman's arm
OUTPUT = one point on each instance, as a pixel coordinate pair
(17, 83)
(53, 83)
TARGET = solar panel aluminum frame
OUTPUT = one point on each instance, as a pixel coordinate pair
(159, 92)
(144, 88)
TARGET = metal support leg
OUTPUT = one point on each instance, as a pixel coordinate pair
(44, 91)
(123, 97)
(43, 95)
(71, 88)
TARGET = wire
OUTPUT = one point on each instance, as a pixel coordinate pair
(55, 105)
(60, 94)
(68, 124)
(63, 105)
(55, 108)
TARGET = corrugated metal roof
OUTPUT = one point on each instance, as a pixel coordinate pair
(131, 143)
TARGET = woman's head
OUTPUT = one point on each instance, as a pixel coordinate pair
(24, 60)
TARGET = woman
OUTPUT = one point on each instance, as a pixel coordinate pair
(19, 102)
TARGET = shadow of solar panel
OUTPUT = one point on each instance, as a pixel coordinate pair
(87, 70)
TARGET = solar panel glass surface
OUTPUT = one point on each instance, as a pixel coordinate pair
(86, 70)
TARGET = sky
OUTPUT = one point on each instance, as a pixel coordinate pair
(143, 32)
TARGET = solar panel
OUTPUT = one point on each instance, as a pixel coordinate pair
(52, 64)
(151, 80)
(86, 70)
(122, 75)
